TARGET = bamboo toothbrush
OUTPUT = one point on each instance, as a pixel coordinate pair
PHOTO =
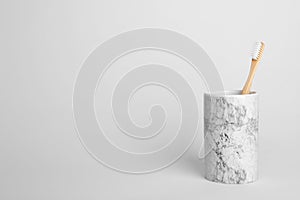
(256, 57)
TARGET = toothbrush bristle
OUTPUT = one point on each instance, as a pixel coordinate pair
(257, 50)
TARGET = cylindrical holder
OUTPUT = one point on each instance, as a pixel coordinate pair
(230, 136)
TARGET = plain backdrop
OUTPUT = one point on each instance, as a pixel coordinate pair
(42, 46)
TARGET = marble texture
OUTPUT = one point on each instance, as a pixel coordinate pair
(231, 131)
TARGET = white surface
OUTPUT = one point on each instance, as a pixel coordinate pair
(43, 44)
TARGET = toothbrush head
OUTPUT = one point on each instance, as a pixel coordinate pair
(258, 50)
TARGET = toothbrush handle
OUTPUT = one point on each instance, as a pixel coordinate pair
(247, 86)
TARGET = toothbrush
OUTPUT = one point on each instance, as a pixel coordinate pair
(256, 57)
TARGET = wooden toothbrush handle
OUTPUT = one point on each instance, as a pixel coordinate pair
(247, 86)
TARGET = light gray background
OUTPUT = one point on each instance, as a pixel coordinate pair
(42, 46)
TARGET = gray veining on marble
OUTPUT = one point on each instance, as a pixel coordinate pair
(231, 131)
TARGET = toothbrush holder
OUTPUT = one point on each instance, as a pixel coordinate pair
(231, 137)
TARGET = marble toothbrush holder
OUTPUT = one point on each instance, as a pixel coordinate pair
(231, 137)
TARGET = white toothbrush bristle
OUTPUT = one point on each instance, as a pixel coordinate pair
(257, 50)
